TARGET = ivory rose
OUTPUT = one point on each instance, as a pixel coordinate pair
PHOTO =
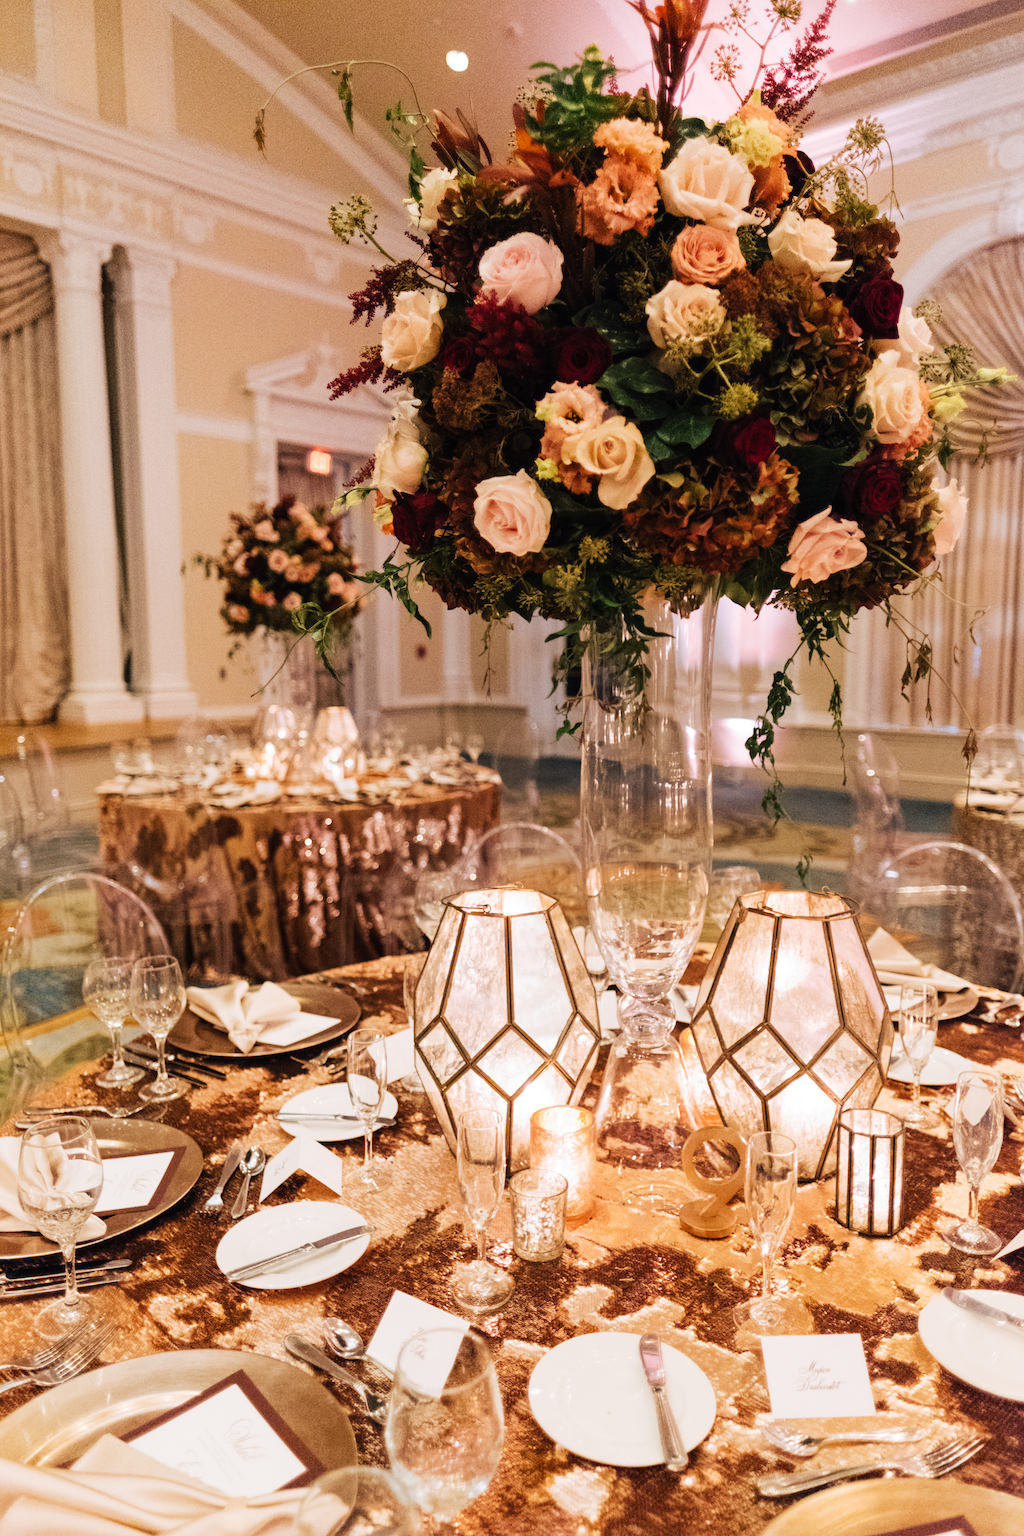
(822, 545)
(512, 513)
(525, 269)
(614, 451)
(683, 312)
(702, 254)
(266, 531)
(913, 338)
(423, 213)
(952, 514)
(706, 182)
(805, 245)
(892, 392)
(399, 458)
(411, 334)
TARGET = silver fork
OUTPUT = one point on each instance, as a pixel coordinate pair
(48, 1354)
(936, 1461)
(36, 1112)
(85, 1351)
(793, 1442)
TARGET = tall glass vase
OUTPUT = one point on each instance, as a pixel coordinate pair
(286, 667)
(647, 839)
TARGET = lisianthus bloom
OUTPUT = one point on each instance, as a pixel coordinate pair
(525, 269)
(952, 514)
(684, 312)
(627, 138)
(565, 410)
(411, 334)
(822, 545)
(706, 182)
(701, 254)
(623, 195)
(512, 513)
(805, 245)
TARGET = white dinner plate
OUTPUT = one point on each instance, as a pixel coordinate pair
(952, 1005)
(328, 1099)
(983, 1354)
(941, 1070)
(279, 1227)
(590, 1395)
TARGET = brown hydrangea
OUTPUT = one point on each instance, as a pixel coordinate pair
(461, 405)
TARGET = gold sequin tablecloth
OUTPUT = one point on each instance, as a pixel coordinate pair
(619, 1271)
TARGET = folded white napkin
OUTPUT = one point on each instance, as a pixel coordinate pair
(115, 1489)
(895, 965)
(241, 1013)
(12, 1217)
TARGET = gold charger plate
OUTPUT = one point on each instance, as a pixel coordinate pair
(875, 1508)
(192, 1033)
(117, 1138)
(61, 1424)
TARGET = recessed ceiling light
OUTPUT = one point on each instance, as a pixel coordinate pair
(457, 60)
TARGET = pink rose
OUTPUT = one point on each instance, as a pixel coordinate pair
(950, 522)
(237, 614)
(292, 601)
(614, 450)
(822, 545)
(702, 254)
(278, 561)
(411, 334)
(525, 269)
(512, 513)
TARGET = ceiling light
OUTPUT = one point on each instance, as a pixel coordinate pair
(457, 60)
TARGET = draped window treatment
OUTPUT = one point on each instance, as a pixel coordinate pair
(34, 636)
(983, 579)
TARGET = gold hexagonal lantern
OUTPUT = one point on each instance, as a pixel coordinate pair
(506, 1013)
(791, 1024)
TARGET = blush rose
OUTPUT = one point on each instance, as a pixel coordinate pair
(614, 452)
(525, 269)
(708, 183)
(702, 254)
(821, 546)
(399, 458)
(512, 513)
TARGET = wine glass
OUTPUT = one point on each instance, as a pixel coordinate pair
(355, 1501)
(479, 1287)
(367, 1077)
(60, 1176)
(770, 1193)
(919, 1020)
(444, 1441)
(106, 989)
(157, 1003)
(977, 1137)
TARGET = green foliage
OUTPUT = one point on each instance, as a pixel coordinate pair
(574, 106)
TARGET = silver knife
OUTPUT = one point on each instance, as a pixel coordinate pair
(56, 1287)
(52, 1277)
(276, 1260)
(676, 1458)
(306, 1116)
(978, 1308)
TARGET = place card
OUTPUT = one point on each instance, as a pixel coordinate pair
(136, 1181)
(304, 1155)
(817, 1376)
(1013, 1246)
(230, 1438)
(955, 1525)
(403, 1316)
(290, 1031)
(399, 1054)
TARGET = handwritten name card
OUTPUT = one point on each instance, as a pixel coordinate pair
(817, 1376)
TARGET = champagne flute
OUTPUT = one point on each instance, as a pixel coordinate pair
(977, 1137)
(367, 1077)
(157, 1003)
(770, 1193)
(60, 1176)
(355, 1501)
(919, 1020)
(445, 1427)
(481, 1288)
(106, 989)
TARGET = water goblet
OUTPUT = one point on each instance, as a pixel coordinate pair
(60, 1176)
(106, 989)
(977, 1137)
(355, 1501)
(445, 1426)
(367, 1077)
(770, 1193)
(157, 1003)
(919, 1020)
(481, 1288)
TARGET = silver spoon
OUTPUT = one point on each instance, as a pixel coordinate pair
(253, 1161)
(342, 1340)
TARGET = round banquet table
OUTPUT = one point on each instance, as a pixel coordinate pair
(298, 885)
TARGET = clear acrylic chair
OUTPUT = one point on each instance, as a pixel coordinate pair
(874, 781)
(952, 906)
(516, 760)
(15, 863)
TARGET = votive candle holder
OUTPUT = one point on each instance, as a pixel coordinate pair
(538, 1215)
(869, 1172)
(563, 1140)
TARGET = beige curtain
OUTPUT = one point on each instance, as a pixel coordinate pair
(34, 644)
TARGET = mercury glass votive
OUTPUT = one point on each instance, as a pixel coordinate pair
(563, 1140)
(869, 1172)
(538, 1215)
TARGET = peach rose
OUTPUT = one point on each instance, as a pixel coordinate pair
(614, 452)
(237, 614)
(892, 392)
(952, 514)
(805, 245)
(683, 312)
(525, 269)
(411, 334)
(399, 459)
(702, 254)
(512, 513)
(706, 182)
(822, 545)
(278, 561)
(292, 601)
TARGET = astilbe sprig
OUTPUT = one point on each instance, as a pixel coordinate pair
(788, 87)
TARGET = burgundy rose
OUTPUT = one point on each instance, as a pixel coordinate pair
(875, 305)
(747, 442)
(415, 519)
(872, 489)
(580, 355)
(460, 355)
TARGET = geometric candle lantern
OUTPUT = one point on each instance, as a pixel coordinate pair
(869, 1172)
(505, 1013)
(791, 1024)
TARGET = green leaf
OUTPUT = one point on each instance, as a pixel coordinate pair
(682, 430)
(345, 97)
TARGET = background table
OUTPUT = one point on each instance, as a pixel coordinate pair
(278, 890)
(1000, 834)
(620, 1270)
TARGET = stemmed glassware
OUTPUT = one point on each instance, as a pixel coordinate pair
(355, 1501)
(770, 1193)
(919, 1020)
(106, 989)
(157, 1003)
(479, 1287)
(367, 1078)
(445, 1440)
(60, 1176)
(977, 1137)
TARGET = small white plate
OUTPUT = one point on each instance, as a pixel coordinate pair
(329, 1099)
(952, 1005)
(279, 1227)
(982, 1354)
(941, 1070)
(590, 1395)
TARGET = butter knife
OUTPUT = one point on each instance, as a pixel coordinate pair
(978, 1308)
(277, 1260)
(56, 1287)
(676, 1458)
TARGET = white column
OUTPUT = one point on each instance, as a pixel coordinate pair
(144, 346)
(456, 662)
(97, 691)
